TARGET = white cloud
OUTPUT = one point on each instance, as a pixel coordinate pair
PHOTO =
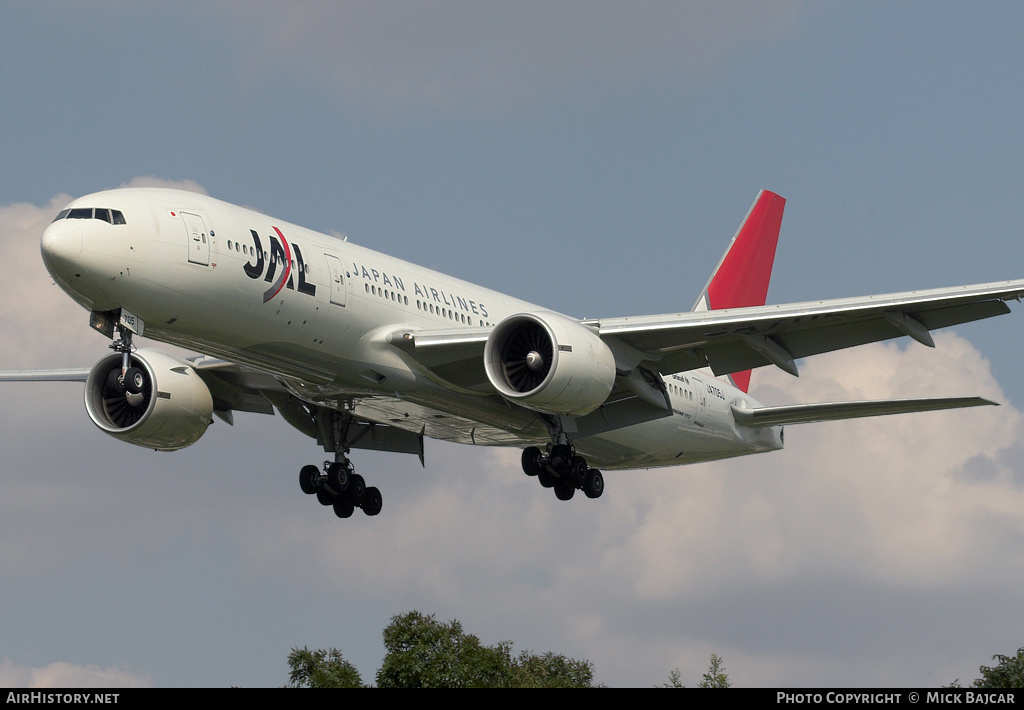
(880, 505)
(760, 559)
(68, 675)
(457, 54)
(153, 181)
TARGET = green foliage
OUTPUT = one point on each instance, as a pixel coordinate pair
(550, 670)
(675, 680)
(1008, 673)
(425, 653)
(321, 669)
(715, 677)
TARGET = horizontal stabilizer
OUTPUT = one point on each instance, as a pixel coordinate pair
(828, 411)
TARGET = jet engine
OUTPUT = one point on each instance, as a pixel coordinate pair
(549, 363)
(162, 403)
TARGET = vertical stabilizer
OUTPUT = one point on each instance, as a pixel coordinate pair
(741, 277)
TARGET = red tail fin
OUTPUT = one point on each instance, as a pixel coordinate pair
(741, 277)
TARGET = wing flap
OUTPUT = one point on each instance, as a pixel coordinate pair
(831, 411)
(455, 356)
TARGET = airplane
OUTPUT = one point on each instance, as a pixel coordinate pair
(360, 350)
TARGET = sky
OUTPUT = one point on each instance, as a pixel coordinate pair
(592, 157)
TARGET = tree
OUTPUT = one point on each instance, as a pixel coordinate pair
(321, 669)
(714, 678)
(1008, 673)
(425, 653)
(550, 670)
(675, 680)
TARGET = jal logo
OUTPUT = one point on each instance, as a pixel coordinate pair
(280, 257)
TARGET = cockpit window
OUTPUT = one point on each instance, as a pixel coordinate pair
(107, 215)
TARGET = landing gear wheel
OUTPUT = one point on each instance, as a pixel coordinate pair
(546, 479)
(564, 490)
(531, 461)
(325, 498)
(134, 380)
(561, 458)
(307, 478)
(356, 488)
(593, 487)
(337, 477)
(343, 508)
(372, 501)
(578, 471)
(114, 384)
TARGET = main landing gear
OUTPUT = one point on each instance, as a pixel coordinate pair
(560, 468)
(338, 485)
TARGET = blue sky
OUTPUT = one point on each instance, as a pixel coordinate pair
(590, 157)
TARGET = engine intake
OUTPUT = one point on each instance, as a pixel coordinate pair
(165, 405)
(549, 363)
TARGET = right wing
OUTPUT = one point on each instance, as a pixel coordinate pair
(736, 339)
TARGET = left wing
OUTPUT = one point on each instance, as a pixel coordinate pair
(70, 375)
(831, 411)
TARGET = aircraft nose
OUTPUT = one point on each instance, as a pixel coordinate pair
(61, 246)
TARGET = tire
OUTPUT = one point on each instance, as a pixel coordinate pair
(593, 487)
(546, 479)
(114, 385)
(356, 489)
(561, 458)
(337, 477)
(344, 508)
(325, 497)
(307, 476)
(578, 471)
(134, 380)
(372, 501)
(531, 455)
(564, 490)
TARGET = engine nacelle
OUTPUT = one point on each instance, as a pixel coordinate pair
(549, 363)
(171, 410)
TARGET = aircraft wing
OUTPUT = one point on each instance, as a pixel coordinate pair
(69, 375)
(831, 411)
(731, 340)
(735, 339)
(233, 387)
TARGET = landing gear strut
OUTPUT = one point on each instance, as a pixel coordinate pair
(337, 484)
(562, 469)
(130, 381)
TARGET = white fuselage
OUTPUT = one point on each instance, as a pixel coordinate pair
(316, 311)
